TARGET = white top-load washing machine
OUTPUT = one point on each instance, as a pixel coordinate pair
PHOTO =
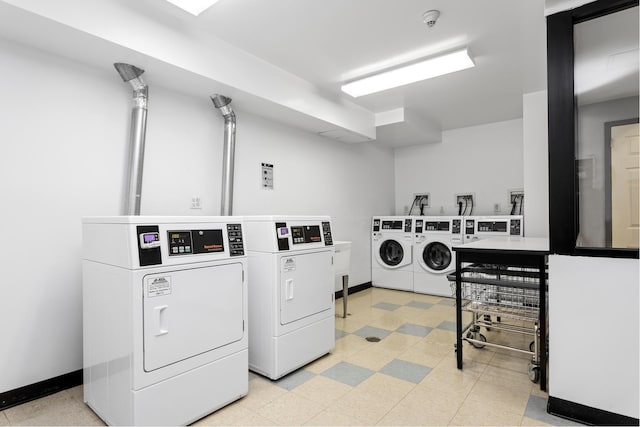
(164, 317)
(392, 252)
(485, 227)
(291, 292)
(433, 255)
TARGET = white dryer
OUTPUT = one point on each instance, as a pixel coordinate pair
(433, 255)
(392, 253)
(484, 227)
(164, 317)
(291, 292)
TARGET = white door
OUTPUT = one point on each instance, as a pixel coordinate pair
(625, 163)
(306, 285)
(190, 312)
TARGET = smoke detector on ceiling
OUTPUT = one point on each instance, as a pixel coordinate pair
(430, 17)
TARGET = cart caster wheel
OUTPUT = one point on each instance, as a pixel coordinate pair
(534, 373)
(476, 336)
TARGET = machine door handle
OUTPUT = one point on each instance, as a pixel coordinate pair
(288, 289)
(162, 323)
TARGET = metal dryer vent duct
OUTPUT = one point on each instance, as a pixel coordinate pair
(223, 104)
(132, 75)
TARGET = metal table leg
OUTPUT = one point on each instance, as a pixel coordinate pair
(345, 293)
(459, 312)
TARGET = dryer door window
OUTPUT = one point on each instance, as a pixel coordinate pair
(436, 256)
(391, 252)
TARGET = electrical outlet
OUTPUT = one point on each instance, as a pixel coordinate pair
(196, 203)
(496, 208)
(422, 199)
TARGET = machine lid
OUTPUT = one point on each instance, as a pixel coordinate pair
(437, 256)
(391, 252)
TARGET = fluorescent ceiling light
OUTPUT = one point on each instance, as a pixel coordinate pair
(194, 7)
(415, 72)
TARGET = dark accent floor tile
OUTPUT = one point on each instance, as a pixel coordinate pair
(387, 306)
(406, 371)
(348, 373)
(420, 304)
(294, 379)
(447, 325)
(415, 330)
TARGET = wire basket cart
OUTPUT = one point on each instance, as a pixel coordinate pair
(502, 298)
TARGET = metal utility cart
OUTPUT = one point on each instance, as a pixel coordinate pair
(504, 278)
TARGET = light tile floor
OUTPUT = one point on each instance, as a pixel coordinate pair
(409, 377)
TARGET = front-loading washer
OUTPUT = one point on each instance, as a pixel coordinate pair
(485, 227)
(434, 258)
(392, 252)
(291, 292)
(165, 338)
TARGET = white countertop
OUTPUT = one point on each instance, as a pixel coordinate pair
(509, 243)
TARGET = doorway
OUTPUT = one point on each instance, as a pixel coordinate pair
(622, 151)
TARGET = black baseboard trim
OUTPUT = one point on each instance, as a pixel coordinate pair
(586, 414)
(354, 289)
(41, 389)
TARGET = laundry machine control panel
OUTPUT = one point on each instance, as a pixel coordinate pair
(399, 225)
(516, 228)
(392, 225)
(149, 251)
(437, 226)
(483, 227)
(205, 241)
(326, 231)
(303, 234)
(492, 226)
(456, 226)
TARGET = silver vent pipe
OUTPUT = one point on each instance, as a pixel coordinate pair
(132, 75)
(224, 105)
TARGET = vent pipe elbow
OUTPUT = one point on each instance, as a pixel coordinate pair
(133, 75)
(223, 104)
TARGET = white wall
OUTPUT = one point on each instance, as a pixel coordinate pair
(485, 160)
(536, 163)
(64, 147)
(593, 332)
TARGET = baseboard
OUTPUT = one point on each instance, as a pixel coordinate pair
(586, 414)
(354, 289)
(43, 388)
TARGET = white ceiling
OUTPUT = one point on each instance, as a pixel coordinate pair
(288, 58)
(606, 57)
(328, 42)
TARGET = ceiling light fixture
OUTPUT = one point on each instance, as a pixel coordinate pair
(411, 73)
(194, 7)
